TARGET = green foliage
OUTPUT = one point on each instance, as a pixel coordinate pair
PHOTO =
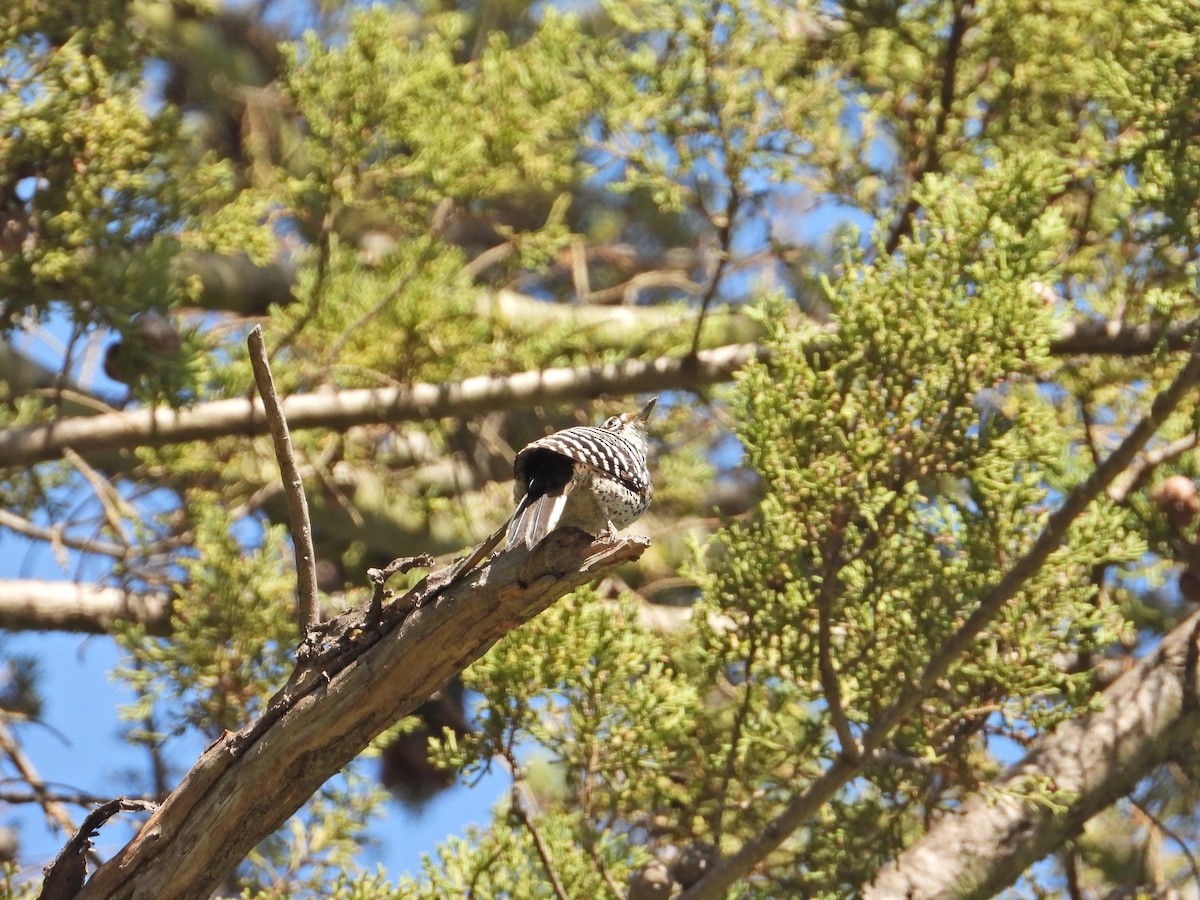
(426, 184)
(597, 695)
(12, 888)
(416, 288)
(233, 628)
(892, 494)
(894, 498)
(100, 215)
(20, 696)
(904, 465)
(320, 844)
(698, 119)
(1151, 83)
(499, 863)
(99, 191)
(397, 112)
(381, 143)
(404, 134)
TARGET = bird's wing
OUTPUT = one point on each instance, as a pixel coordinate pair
(604, 451)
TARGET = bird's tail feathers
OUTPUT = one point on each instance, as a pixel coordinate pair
(534, 519)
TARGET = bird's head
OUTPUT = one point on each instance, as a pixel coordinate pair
(637, 419)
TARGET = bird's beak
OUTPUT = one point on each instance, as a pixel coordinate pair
(644, 415)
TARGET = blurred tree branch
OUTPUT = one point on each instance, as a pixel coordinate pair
(32, 605)
(340, 410)
(1147, 715)
(472, 396)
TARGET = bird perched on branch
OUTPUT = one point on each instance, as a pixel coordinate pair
(592, 478)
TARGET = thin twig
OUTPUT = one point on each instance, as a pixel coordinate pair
(324, 244)
(153, 742)
(56, 813)
(270, 491)
(579, 271)
(1135, 476)
(933, 156)
(741, 714)
(733, 199)
(1089, 430)
(1070, 863)
(306, 560)
(379, 578)
(627, 291)
(114, 505)
(488, 258)
(423, 259)
(520, 806)
(76, 396)
(57, 535)
(61, 384)
(1173, 837)
(605, 874)
(724, 252)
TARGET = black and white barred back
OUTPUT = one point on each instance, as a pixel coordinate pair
(592, 478)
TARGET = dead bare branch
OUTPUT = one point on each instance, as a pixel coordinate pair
(293, 486)
(65, 876)
(57, 537)
(353, 684)
(56, 813)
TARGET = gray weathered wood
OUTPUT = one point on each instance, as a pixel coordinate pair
(360, 682)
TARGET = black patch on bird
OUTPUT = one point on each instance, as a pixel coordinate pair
(544, 472)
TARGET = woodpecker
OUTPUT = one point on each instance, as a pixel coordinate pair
(592, 478)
